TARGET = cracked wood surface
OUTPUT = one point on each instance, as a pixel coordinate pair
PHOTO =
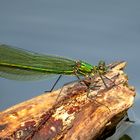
(75, 115)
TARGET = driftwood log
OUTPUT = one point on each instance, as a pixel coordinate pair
(80, 113)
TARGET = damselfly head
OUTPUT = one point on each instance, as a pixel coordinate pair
(102, 68)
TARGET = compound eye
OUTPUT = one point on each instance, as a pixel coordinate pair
(101, 63)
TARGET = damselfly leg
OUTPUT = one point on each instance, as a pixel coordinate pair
(52, 88)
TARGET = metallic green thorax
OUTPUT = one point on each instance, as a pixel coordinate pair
(20, 64)
(84, 68)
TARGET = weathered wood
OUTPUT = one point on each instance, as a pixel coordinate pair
(75, 115)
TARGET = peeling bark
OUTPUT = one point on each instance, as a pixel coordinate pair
(75, 116)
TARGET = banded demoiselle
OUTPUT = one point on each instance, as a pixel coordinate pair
(19, 64)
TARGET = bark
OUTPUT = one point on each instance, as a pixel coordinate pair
(80, 113)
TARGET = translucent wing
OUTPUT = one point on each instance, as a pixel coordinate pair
(20, 64)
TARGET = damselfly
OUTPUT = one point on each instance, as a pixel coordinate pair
(19, 64)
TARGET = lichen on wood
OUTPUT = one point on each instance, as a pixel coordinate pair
(75, 115)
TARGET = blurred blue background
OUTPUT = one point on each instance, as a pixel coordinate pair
(77, 29)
